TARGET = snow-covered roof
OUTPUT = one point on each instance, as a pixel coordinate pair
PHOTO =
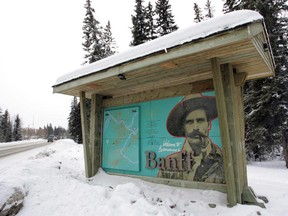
(196, 31)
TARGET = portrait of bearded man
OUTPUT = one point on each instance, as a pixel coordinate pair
(202, 159)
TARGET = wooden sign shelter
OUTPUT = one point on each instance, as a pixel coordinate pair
(217, 55)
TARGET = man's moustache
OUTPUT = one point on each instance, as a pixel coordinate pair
(196, 134)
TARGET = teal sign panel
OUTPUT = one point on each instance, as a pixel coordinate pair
(131, 131)
(121, 139)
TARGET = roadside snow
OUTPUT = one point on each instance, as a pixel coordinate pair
(5, 144)
(54, 178)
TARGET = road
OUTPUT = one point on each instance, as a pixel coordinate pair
(12, 148)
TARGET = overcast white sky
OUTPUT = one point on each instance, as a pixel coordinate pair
(41, 40)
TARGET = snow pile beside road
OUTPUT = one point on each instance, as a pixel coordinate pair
(54, 178)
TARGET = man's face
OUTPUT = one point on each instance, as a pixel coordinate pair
(196, 127)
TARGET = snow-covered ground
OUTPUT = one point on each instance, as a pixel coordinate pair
(53, 177)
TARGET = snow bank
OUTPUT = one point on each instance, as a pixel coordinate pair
(54, 178)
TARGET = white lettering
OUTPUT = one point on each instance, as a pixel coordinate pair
(167, 146)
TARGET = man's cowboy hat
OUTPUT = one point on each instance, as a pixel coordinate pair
(190, 103)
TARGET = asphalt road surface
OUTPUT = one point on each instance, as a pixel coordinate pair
(12, 148)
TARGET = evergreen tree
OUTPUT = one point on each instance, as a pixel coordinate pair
(74, 121)
(17, 129)
(198, 13)
(6, 127)
(231, 5)
(98, 44)
(209, 9)
(50, 130)
(92, 31)
(266, 99)
(45, 132)
(59, 132)
(1, 126)
(56, 132)
(109, 44)
(165, 20)
(149, 19)
(139, 34)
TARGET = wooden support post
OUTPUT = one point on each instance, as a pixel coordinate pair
(224, 131)
(239, 80)
(230, 93)
(242, 134)
(85, 135)
(96, 132)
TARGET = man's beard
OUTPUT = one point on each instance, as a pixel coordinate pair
(197, 141)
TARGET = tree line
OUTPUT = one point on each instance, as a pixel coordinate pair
(12, 130)
(9, 130)
(265, 100)
(44, 132)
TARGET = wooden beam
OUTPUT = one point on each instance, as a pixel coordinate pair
(96, 132)
(85, 135)
(179, 183)
(240, 78)
(250, 198)
(267, 56)
(224, 131)
(179, 90)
